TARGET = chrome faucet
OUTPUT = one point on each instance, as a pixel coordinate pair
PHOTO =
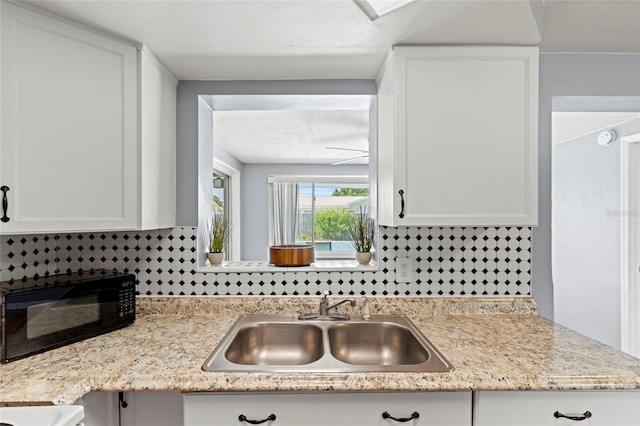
(324, 304)
(324, 314)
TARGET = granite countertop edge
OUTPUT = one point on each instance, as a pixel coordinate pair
(493, 344)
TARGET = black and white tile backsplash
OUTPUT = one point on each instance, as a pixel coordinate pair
(449, 262)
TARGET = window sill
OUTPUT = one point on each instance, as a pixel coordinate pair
(319, 266)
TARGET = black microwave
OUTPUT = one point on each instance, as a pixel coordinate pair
(56, 310)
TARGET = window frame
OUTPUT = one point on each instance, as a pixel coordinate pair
(232, 197)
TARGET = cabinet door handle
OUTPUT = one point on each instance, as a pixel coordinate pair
(585, 416)
(414, 415)
(244, 418)
(401, 192)
(5, 203)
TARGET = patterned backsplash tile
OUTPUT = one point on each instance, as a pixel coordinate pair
(470, 261)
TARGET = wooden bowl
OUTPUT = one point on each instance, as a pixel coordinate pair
(291, 255)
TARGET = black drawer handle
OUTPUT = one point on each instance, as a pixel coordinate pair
(414, 415)
(244, 418)
(585, 416)
(5, 203)
(401, 192)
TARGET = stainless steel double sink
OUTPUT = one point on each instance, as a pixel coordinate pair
(386, 343)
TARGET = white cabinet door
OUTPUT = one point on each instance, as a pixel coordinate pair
(69, 148)
(329, 409)
(458, 136)
(152, 409)
(539, 408)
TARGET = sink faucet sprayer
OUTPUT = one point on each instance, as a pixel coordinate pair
(365, 310)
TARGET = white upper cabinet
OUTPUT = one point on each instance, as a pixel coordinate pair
(457, 136)
(77, 152)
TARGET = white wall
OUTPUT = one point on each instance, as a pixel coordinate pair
(586, 237)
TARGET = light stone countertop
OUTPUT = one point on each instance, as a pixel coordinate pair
(493, 344)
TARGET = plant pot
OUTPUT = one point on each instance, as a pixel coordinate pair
(363, 258)
(215, 258)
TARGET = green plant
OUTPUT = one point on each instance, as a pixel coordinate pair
(332, 224)
(219, 233)
(353, 192)
(361, 229)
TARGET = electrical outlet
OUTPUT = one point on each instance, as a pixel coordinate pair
(404, 269)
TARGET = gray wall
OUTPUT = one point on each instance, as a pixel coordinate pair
(187, 124)
(254, 220)
(569, 74)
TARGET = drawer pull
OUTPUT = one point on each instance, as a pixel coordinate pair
(244, 418)
(401, 215)
(5, 203)
(414, 415)
(585, 416)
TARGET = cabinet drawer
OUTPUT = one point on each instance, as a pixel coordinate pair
(537, 408)
(328, 409)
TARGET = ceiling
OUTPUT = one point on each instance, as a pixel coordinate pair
(306, 39)
(292, 129)
(569, 125)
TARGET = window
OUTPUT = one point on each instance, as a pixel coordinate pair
(220, 202)
(224, 187)
(316, 210)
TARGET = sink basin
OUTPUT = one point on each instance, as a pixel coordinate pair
(386, 343)
(377, 343)
(276, 344)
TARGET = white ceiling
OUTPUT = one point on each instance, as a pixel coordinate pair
(292, 129)
(303, 39)
(298, 137)
(570, 125)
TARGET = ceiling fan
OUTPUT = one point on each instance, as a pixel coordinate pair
(358, 157)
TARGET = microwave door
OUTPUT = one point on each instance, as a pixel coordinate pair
(57, 316)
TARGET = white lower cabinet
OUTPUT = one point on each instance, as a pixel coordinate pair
(137, 409)
(557, 408)
(153, 408)
(328, 409)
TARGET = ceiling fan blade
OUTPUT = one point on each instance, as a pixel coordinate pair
(349, 160)
(366, 151)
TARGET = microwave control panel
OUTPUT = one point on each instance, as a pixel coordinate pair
(127, 299)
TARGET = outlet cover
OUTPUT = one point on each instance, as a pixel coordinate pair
(404, 269)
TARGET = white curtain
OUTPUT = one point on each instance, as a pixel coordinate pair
(285, 212)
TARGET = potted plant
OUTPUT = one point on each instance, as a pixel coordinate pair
(219, 235)
(361, 229)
